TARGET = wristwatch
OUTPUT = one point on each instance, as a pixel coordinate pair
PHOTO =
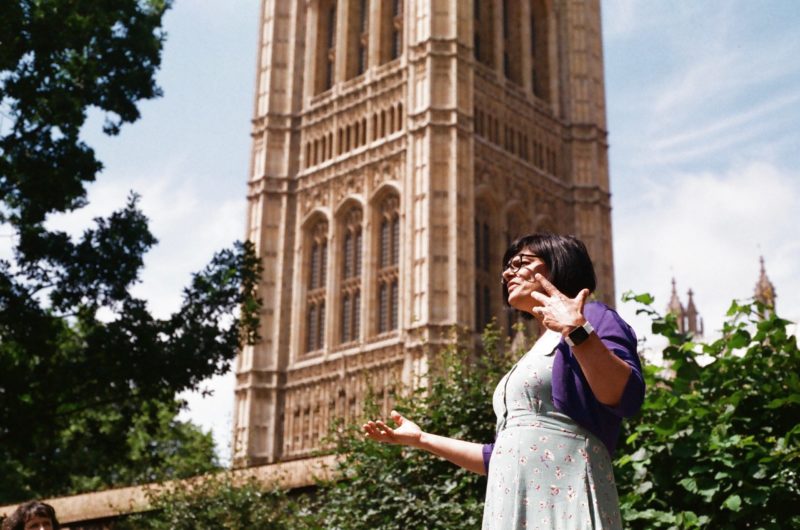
(579, 335)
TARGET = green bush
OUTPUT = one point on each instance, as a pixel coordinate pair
(716, 444)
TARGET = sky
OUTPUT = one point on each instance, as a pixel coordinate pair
(703, 104)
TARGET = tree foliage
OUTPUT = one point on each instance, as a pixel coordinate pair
(88, 376)
(717, 444)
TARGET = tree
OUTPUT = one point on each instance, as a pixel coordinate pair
(81, 396)
(717, 444)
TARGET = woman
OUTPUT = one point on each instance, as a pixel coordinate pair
(559, 409)
(33, 515)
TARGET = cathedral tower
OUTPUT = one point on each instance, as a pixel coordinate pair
(398, 146)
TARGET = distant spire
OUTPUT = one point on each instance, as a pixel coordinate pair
(675, 307)
(765, 291)
(689, 320)
(693, 324)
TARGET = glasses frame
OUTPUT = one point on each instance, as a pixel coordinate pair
(516, 269)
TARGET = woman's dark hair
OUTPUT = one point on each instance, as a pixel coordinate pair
(566, 257)
(24, 512)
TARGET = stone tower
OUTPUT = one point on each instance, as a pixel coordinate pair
(398, 146)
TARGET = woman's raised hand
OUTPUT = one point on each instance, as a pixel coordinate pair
(557, 311)
(406, 433)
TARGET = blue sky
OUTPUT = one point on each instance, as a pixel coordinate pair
(703, 104)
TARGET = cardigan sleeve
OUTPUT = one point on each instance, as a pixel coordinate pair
(620, 340)
(487, 456)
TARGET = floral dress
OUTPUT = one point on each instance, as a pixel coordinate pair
(546, 472)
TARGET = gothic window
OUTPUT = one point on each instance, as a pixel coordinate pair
(326, 45)
(484, 267)
(357, 37)
(363, 131)
(512, 41)
(397, 28)
(363, 43)
(350, 281)
(483, 38)
(399, 121)
(388, 264)
(391, 39)
(540, 61)
(315, 291)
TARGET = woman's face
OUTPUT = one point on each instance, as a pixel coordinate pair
(519, 274)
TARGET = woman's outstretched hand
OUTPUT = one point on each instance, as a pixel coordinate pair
(406, 431)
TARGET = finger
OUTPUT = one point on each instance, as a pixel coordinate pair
(370, 428)
(548, 287)
(582, 296)
(539, 297)
(396, 417)
(385, 428)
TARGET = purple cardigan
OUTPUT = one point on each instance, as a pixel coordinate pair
(571, 393)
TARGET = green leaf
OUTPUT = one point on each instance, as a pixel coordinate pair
(733, 503)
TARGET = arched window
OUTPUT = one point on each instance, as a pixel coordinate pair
(364, 131)
(315, 290)
(357, 38)
(399, 122)
(350, 280)
(540, 59)
(483, 38)
(326, 47)
(388, 265)
(391, 40)
(512, 41)
(397, 28)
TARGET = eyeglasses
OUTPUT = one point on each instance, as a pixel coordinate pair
(516, 263)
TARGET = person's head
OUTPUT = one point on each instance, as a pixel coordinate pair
(563, 260)
(33, 515)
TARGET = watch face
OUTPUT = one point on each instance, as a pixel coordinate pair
(580, 334)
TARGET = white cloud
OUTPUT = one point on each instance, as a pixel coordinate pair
(214, 412)
(708, 230)
(190, 227)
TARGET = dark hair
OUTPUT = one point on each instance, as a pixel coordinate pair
(24, 512)
(566, 257)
